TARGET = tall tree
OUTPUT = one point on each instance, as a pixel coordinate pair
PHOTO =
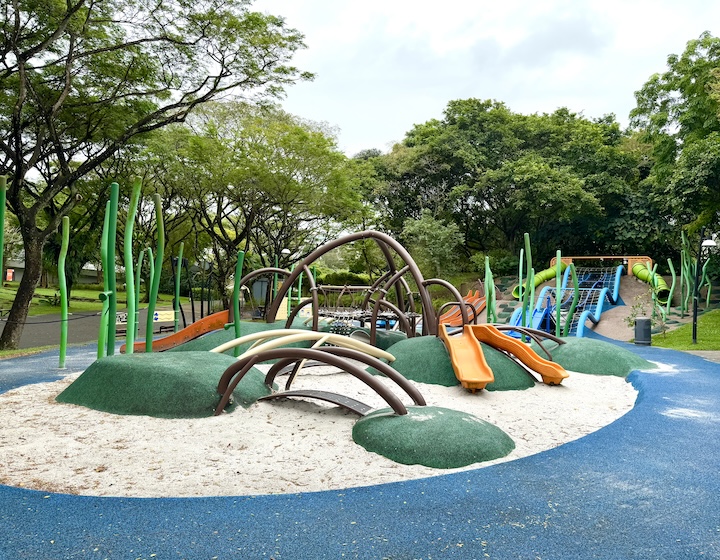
(258, 179)
(81, 79)
(678, 112)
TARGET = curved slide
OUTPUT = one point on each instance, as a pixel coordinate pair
(551, 373)
(467, 358)
(469, 362)
(203, 326)
(657, 283)
(453, 317)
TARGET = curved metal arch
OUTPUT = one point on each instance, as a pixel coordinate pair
(234, 374)
(384, 242)
(286, 336)
(351, 354)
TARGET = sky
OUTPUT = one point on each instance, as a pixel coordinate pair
(383, 66)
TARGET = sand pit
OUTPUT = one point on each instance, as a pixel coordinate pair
(282, 447)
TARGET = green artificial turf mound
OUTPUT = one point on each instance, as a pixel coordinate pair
(162, 385)
(216, 338)
(431, 436)
(508, 375)
(596, 357)
(424, 359)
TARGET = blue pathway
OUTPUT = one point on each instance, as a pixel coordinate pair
(644, 487)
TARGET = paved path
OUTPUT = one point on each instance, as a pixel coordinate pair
(644, 487)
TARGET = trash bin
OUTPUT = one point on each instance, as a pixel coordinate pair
(642, 331)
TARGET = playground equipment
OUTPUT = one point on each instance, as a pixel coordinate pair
(469, 363)
(194, 330)
(647, 274)
(339, 355)
(570, 308)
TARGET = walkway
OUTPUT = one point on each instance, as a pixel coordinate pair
(644, 487)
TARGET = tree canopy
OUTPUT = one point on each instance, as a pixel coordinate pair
(80, 80)
(678, 113)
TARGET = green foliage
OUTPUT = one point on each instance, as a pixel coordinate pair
(434, 244)
(343, 278)
(502, 262)
(678, 112)
(497, 174)
(82, 82)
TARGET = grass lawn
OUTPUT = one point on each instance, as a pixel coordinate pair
(47, 300)
(708, 334)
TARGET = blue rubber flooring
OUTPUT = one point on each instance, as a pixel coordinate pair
(644, 487)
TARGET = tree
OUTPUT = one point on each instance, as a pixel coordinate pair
(678, 113)
(498, 174)
(80, 80)
(257, 179)
(433, 243)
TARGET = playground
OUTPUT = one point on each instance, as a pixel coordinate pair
(444, 437)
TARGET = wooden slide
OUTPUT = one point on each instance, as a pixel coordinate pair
(203, 326)
(552, 373)
(467, 358)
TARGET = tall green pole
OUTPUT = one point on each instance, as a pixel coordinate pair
(672, 286)
(112, 280)
(176, 300)
(102, 335)
(236, 297)
(157, 270)
(489, 293)
(521, 287)
(63, 290)
(558, 296)
(136, 295)
(129, 276)
(3, 196)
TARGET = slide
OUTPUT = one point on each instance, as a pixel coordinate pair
(453, 317)
(200, 327)
(551, 373)
(657, 282)
(467, 358)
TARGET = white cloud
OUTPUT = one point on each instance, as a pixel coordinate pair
(384, 65)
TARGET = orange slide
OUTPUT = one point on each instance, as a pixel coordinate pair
(453, 317)
(467, 358)
(552, 373)
(198, 328)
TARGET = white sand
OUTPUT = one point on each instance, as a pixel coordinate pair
(280, 447)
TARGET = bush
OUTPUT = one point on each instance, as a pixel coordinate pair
(502, 262)
(344, 278)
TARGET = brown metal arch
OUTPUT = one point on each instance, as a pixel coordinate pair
(234, 374)
(385, 242)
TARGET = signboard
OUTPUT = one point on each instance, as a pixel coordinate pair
(163, 317)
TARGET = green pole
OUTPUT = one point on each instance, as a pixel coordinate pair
(489, 293)
(136, 295)
(102, 335)
(151, 268)
(129, 277)
(3, 196)
(236, 298)
(63, 290)
(521, 290)
(576, 297)
(672, 286)
(558, 287)
(112, 280)
(156, 271)
(176, 300)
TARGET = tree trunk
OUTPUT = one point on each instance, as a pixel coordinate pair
(10, 338)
